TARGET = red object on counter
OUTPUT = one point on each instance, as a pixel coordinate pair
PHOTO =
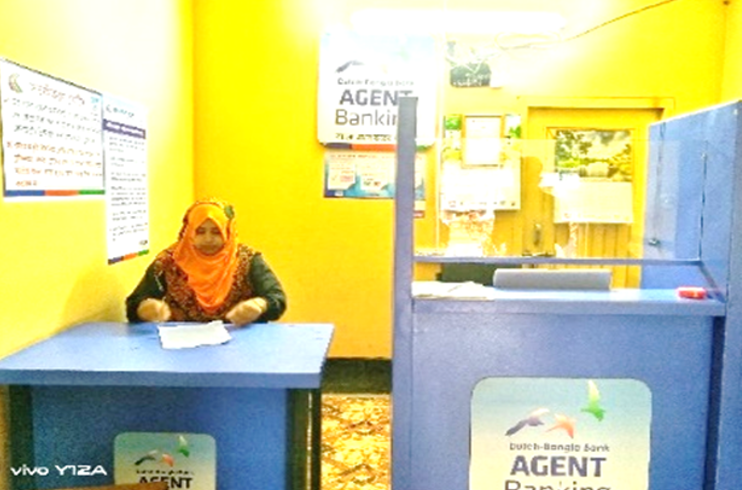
(692, 292)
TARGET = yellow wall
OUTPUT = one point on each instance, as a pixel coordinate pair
(256, 145)
(53, 262)
(256, 85)
(732, 79)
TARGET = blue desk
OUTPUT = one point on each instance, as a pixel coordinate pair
(650, 336)
(73, 393)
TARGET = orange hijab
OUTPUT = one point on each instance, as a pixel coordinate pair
(210, 276)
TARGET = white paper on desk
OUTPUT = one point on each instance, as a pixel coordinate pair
(452, 290)
(193, 335)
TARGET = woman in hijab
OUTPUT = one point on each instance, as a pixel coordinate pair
(207, 275)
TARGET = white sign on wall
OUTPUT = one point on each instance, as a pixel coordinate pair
(51, 135)
(127, 196)
(362, 77)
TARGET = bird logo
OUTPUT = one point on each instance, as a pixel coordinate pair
(183, 446)
(593, 407)
(593, 401)
(13, 83)
(565, 423)
(157, 455)
(348, 64)
(532, 420)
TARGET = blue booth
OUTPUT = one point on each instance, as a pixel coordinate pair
(525, 389)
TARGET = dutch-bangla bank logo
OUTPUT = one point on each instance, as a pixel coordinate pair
(161, 465)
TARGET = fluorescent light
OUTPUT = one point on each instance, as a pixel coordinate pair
(411, 21)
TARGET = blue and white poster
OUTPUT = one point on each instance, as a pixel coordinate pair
(362, 77)
(127, 196)
(535, 433)
(180, 459)
(367, 174)
(51, 136)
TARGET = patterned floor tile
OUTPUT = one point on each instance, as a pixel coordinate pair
(356, 434)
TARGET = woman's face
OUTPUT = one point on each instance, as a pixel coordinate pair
(208, 239)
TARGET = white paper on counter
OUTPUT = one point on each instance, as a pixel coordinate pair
(193, 335)
(452, 290)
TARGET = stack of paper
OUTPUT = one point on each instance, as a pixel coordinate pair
(193, 335)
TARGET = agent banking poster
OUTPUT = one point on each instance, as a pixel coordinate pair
(560, 434)
(362, 77)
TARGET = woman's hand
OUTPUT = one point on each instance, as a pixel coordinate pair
(247, 311)
(153, 310)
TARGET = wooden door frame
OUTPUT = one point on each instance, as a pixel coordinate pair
(530, 102)
(661, 106)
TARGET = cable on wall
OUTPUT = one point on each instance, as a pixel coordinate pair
(620, 17)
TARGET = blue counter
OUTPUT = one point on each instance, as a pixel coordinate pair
(614, 302)
(73, 393)
(650, 336)
(509, 392)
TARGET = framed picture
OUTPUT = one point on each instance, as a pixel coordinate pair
(594, 153)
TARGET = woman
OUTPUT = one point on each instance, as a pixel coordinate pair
(207, 275)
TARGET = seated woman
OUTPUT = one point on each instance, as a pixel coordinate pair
(207, 275)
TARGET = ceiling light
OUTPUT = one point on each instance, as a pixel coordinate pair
(412, 21)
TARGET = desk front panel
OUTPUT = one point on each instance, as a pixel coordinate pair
(453, 352)
(77, 426)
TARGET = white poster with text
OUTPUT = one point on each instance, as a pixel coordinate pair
(51, 136)
(127, 198)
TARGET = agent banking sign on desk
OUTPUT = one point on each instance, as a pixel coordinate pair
(181, 460)
(560, 434)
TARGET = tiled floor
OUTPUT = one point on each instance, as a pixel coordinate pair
(356, 427)
(355, 442)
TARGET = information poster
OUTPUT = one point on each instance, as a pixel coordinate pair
(367, 174)
(531, 433)
(181, 460)
(465, 189)
(127, 199)
(486, 176)
(51, 135)
(362, 77)
(483, 142)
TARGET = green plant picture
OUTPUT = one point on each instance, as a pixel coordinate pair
(594, 153)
